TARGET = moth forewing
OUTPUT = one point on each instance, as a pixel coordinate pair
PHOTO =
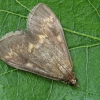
(41, 49)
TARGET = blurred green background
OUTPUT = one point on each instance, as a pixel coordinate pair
(82, 16)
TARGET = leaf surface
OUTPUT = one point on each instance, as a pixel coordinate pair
(81, 22)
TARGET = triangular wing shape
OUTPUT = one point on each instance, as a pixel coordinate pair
(42, 20)
(17, 50)
(41, 49)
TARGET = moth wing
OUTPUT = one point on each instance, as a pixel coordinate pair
(13, 48)
(15, 51)
(42, 21)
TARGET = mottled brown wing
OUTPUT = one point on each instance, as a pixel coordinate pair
(13, 48)
(20, 51)
(42, 21)
(41, 49)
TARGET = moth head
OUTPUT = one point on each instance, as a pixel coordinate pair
(71, 80)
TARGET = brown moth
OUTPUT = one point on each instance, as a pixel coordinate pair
(41, 49)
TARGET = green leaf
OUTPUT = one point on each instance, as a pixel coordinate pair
(81, 22)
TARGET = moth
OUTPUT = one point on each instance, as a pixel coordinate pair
(41, 49)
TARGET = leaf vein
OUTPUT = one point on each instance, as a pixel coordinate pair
(94, 8)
